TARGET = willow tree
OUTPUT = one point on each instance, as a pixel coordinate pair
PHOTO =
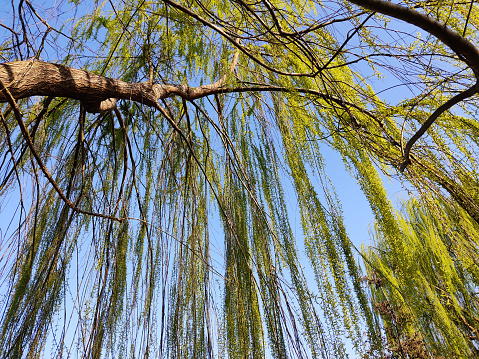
(428, 300)
(153, 150)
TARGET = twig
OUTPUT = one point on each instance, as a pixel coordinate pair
(28, 140)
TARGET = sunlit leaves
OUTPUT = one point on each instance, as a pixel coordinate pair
(206, 259)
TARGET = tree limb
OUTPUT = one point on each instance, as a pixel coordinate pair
(439, 111)
(465, 49)
(98, 93)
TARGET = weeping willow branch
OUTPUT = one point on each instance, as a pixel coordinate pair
(26, 136)
(99, 94)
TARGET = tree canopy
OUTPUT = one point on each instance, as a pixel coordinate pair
(155, 156)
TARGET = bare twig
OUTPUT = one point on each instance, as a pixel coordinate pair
(28, 140)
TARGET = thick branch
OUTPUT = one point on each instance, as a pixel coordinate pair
(36, 78)
(98, 93)
(461, 46)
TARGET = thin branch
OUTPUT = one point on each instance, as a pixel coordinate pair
(467, 19)
(125, 156)
(349, 37)
(9, 29)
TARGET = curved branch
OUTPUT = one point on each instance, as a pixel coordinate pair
(255, 87)
(465, 49)
(439, 111)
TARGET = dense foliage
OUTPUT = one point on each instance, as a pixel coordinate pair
(168, 229)
(429, 294)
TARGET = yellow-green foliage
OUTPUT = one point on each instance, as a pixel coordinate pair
(228, 238)
(433, 283)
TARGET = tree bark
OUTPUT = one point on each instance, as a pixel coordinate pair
(98, 93)
(37, 78)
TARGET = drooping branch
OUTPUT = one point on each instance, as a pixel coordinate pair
(18, 116)
(22, 79)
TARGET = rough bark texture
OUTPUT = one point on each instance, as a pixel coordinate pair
(37, 78)
(98, 93)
